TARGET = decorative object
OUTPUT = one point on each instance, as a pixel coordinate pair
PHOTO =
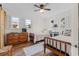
(29, 26)
(52, 21)
(28, 23)
(24, 30)
(14, 25)
(65, 27)
(14, 22)
(55, 25)
(55, 33)
(50, 32)
(62, 25)
(62, 19)
(63, 22)
(67, 32)
(31, 37)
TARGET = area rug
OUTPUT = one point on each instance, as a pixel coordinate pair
(37, 50)
(20, 50)
(34, 49)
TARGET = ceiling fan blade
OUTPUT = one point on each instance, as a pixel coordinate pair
(47, 9)
(46, 4)
(37, 10)
(37, 6)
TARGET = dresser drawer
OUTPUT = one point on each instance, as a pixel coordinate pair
(14, 38)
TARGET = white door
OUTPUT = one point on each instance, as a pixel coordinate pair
(74, 47)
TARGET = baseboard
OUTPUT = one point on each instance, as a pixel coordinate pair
(38, 41)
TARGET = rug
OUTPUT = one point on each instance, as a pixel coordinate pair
(34, 49)
(20, 50)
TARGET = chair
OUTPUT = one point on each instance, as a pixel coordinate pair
(6, 51)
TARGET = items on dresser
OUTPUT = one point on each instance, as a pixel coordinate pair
(24, 30)
(31, 37)
(15, 38)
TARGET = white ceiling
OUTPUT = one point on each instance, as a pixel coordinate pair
(24, 10)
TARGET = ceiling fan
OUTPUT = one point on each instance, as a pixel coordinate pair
(42, 7)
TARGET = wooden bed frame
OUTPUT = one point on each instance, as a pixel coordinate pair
(55, 50)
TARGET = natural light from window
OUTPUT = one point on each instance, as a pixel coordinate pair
(14, 22)
(28, 23)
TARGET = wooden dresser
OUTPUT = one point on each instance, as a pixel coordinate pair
(15, 38)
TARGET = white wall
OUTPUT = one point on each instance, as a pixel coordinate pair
(39, 21)
(37, 25)
(57, 20)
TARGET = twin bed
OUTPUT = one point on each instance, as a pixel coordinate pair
(60, 47)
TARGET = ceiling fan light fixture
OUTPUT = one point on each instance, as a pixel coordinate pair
(41, 10)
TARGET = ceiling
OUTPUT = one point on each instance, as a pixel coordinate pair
(24, 10)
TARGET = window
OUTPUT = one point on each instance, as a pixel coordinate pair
(28, 23)
(14, 22)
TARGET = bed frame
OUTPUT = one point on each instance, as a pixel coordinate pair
(54, 46)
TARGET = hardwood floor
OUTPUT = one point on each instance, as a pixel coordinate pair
(18, 50)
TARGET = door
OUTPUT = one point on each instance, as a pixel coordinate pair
(74, 47)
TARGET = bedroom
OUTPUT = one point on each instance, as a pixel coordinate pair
(56, 21)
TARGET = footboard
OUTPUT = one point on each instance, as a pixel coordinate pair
(58, 47)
